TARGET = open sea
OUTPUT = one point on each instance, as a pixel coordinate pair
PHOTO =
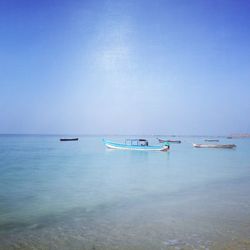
(80, 195)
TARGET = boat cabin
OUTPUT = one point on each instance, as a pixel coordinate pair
(136, 142)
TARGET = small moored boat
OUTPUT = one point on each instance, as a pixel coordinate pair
(214, 145)
(136, 144)
(171, 141)
(211, 140)
(69, 139)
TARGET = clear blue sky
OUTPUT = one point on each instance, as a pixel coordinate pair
(125, 66)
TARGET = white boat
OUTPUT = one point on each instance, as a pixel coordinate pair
(171, 141)
(136, 144)
(212, 140)
(214, 145)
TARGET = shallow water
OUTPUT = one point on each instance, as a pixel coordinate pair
(79, 195)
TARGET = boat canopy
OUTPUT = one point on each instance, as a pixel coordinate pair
(136, 142)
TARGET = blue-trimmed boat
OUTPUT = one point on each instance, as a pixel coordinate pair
(136, 144)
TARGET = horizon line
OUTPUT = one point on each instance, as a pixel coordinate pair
(79, 134)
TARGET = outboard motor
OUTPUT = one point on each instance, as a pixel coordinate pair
(166, 144)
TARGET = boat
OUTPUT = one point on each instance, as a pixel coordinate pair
(170, 141)
(136, 144)
(214, 145)
(69, 139)
(212, 140)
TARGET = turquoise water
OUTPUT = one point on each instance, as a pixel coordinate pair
(79, 195)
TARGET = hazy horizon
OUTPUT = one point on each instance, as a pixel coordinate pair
(125, 67)
(235, 135)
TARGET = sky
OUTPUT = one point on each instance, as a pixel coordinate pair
(125, 67)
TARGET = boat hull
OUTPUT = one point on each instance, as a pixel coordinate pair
(212, 140)
(120, 146)
(214, 145)
(69, 139)
(170, 141)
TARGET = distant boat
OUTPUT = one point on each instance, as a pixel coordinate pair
(229, 137)
(214, 145)
(171, 141)
(69, 139)
(211, 140)
(135, 144)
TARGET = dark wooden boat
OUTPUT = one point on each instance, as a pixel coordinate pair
(69, 139)
(174, 141)
(211, 140)
(170, 141)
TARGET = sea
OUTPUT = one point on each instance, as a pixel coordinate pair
(81, 195)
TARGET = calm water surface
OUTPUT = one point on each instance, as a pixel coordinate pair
(79, 195)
